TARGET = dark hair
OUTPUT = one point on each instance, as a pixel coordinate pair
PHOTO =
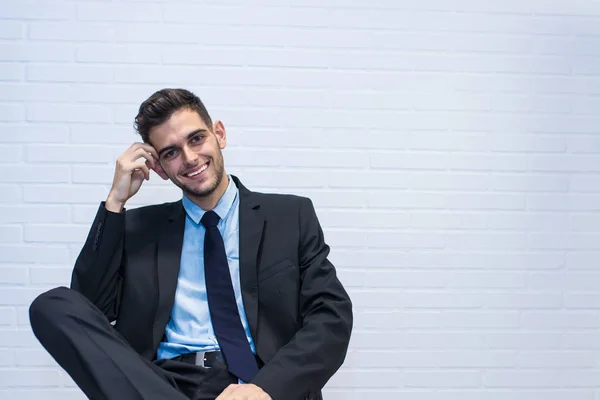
(159, 107)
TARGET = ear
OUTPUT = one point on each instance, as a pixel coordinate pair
(158, 169)
(220, 133)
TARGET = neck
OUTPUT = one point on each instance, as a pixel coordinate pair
(209, 202)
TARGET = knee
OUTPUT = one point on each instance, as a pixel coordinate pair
(48, 306)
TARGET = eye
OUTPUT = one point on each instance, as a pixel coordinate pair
(196, 138)
(169, 154)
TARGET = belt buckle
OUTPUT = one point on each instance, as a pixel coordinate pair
(201, 358)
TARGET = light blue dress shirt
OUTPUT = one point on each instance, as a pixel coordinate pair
(190, 327)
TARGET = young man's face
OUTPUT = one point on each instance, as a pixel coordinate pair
(190, 153)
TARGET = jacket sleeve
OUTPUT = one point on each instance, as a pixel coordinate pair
(319, 347)
(97, 272)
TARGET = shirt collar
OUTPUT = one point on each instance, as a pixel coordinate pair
(222, 208)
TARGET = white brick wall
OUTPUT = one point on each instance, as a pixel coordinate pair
(452, 150)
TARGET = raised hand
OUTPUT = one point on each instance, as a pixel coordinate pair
(130, 173)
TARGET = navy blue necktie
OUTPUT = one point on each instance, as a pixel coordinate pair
(222, 305)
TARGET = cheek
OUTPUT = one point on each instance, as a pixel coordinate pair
(171, 169)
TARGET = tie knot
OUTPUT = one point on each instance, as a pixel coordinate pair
(210, 219)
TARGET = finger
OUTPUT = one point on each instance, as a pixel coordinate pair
(150, 165)
(225, 394)
(141, 153)
(141, 165)
(146, 147)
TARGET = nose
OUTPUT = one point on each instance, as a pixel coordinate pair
(189, 157)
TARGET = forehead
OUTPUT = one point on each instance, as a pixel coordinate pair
(176, 128)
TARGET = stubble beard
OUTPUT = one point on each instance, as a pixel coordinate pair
(219, 168)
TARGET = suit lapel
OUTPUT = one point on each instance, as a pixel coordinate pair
(168, 259)
(251, 230)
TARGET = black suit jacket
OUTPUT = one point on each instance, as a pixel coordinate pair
(299, 314)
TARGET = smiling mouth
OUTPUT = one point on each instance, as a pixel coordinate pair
(198, 170)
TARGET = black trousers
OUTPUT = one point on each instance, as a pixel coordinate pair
(101, 362)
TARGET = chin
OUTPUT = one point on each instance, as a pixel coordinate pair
(203, 188)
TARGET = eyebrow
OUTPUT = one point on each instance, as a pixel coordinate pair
(189, 136)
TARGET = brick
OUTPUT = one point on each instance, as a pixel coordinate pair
(442, 341)
(19, 339)
(35, 92)
(18, 296)
(16, 133)
(95, 134)
(529, 183)
(582, 260)
(556, 359)
(7, 358)
(445, 220)
(571, 281)
(34, 254)
(28, 378)
(528, 143)
(524, 340)
(12, 113)
(365, 379)
(445, 379)
(61, 31)
(522, 379)
(55, 233)
(485, 240)
(37, 52)
(39, 10)
(121, 54)
(14, 214)
(118, 12)
(581, 341)
(94, 174)
(585, 183)
(402, 199)
(580, 378)
(544, 300)
(11, 153)
(35, 358)
(433, 359)
(583, 144)
(563, 202)
(46, 394)
(36, 174)
(64, 194)
(256, 158)
(11, 194)
(259, 16)
(84, 214)
(11, 30)
(69, 73)
(68, 154)
(579, 163)
(364, 219)
(404, 240)
(8, 317)
(68, 113)
(359, 179)
(442, 181)
(582, 300)
(11, 72)
(286, 179)
(478, 319)
(23, 317)
(14, 274)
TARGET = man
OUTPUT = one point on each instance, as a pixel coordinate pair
(225, 294)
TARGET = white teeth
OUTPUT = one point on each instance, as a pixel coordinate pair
(197, 172)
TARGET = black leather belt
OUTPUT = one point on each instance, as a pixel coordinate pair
(204, 359)
(208, 359)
